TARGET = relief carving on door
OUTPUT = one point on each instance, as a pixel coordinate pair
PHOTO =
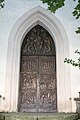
(37, 89)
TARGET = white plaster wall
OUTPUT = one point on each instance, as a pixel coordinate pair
(70, 24)
(12, 11)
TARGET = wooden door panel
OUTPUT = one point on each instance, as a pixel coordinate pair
(47, 64)
(47, 84)
(47, 81)
(47, 101)
(28, 84)
(29, 64)
(37, 89)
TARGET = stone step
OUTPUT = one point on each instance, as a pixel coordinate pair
(38, 116)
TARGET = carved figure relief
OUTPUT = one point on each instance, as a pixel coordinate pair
(37, 90)
(38, 41)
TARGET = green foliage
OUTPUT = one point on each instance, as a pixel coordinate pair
(72, 62)
(1, 3)
(78, 30)
(1, 97)
(53, 5)
(76, 11)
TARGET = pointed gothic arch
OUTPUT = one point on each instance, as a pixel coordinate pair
(37, 16)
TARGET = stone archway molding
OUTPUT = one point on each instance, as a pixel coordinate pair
(46, 19)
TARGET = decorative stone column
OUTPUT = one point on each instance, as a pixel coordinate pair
(78, 104)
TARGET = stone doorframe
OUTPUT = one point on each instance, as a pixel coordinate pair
(46, 19)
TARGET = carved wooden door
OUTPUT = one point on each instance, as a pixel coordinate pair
(37, 90)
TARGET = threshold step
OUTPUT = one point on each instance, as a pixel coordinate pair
(38, 116)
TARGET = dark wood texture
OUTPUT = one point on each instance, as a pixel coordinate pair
(37, 90)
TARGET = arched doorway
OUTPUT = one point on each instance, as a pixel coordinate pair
(33, 17)
(37, 89)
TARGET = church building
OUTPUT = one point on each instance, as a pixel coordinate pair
(33, 45)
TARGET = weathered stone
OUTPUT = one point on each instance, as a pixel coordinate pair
(77, 105)
(2, 117)
(38, 116)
